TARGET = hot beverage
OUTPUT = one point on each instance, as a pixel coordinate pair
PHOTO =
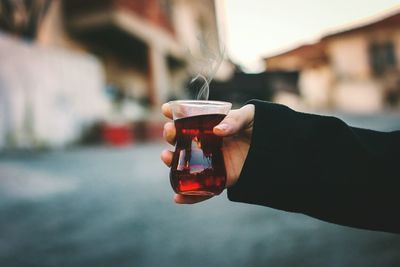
(198, 166)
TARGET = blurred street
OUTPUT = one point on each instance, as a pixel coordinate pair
(103, 206)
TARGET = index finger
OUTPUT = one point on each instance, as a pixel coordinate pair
(166, 110)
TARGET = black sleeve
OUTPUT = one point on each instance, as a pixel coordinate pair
(319, 166)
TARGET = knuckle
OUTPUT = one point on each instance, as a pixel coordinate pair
(169, 129)
(235, 117)
(165, 131)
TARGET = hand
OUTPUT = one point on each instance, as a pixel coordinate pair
(236, 128)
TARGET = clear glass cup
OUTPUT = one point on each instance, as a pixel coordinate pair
(198, 166)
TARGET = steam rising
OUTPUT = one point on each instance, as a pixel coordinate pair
(207, 68)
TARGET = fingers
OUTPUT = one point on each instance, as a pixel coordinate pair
(183, 199)
(169, 132)
(166, 110)
(166, 157)
(169, 127)
(235, 121)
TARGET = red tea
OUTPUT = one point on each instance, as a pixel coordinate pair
(198, 166)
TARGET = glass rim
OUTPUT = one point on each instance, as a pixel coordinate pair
(201, 102)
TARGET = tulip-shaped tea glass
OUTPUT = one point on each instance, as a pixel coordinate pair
(198, 166)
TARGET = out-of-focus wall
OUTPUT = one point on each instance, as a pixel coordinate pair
(48, 95)
(315, 85)
(355, 70)
(355, 88)
(348, 57)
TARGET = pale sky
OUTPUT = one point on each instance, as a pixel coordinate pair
(258, 28)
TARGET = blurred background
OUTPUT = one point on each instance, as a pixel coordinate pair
(81, 84)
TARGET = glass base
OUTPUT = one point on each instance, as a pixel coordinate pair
(197, 193)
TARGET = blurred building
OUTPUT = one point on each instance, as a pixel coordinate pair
(48, 96)
(149, 47)
(44, 91)
(357, 69)
(145, 51)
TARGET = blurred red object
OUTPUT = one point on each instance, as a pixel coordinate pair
(117, 134)
(154, 130)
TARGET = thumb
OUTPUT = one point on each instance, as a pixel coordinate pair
(235, 121)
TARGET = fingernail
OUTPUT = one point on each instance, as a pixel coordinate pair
(223, 127)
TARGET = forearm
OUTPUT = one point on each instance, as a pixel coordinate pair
(319, 166)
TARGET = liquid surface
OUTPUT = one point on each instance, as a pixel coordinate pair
(198, 166)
